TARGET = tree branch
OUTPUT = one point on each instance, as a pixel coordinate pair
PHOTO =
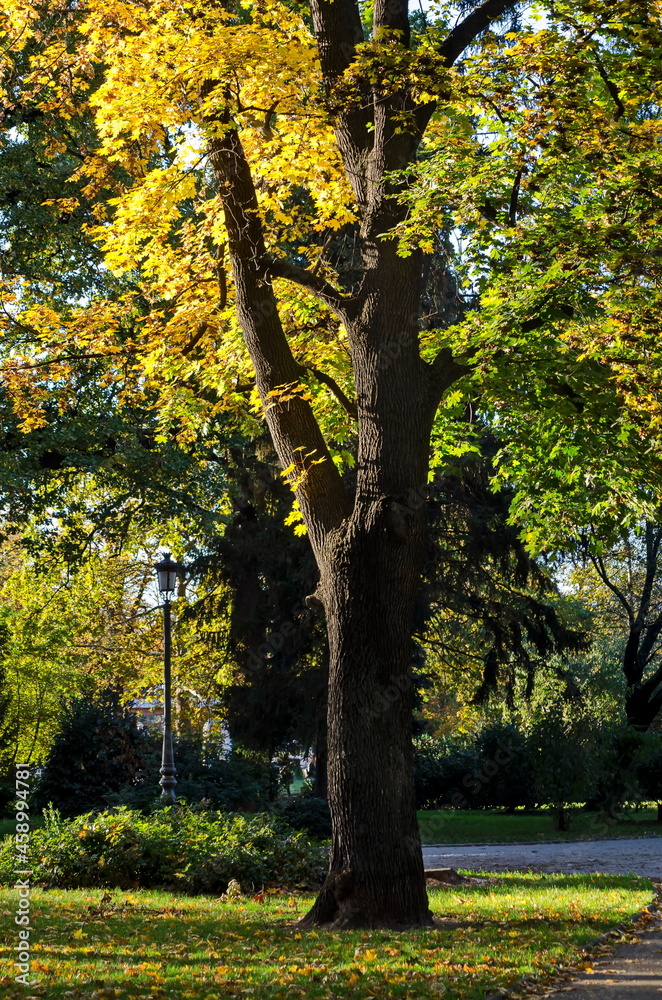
(338, 30)
(462, 35)
(601, 570)
(653, 538)
(393, 14)
(348, 404)
(613, 91)
(294, 429)
(345, 309)
(445, 371)
(195, 339)
(514, 198)
(468, 30)
(652, 634)
(651, 686)
(62, 359)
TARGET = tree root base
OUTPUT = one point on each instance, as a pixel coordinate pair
(450, 877)
(340, 907)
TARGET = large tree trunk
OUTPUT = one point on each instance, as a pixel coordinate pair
(320, 782)
(370, 573)
(376, 870)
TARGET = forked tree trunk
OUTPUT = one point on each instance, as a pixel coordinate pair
(368, 547)
(370, 568)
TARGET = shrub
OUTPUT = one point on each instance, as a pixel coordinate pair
(306, 812)
(493, 771)
(616, 746)
(648, 768)
(505, 778)
(179, 847)
(101, 759)
(442, 770)
(204, 774)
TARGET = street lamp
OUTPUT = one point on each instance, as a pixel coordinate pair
(167, 572)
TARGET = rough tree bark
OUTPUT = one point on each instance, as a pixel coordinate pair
(369, 550)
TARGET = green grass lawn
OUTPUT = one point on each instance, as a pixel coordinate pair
(464, 826)
(148, 944)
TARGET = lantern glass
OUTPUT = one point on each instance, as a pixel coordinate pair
(166, 572)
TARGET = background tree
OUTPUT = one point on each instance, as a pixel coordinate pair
(558, 227)
(621, 586)
(566, 758)
(489, 611)
(65, 634)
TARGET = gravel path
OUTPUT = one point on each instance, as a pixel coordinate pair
(642, 856)
(632, 972)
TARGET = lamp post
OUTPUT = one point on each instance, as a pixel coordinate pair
(167, 571)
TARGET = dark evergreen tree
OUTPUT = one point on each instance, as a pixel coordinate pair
(98, 751)
(277, 638)
(478, 575)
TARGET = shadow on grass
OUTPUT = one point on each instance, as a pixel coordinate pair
(578, 880)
